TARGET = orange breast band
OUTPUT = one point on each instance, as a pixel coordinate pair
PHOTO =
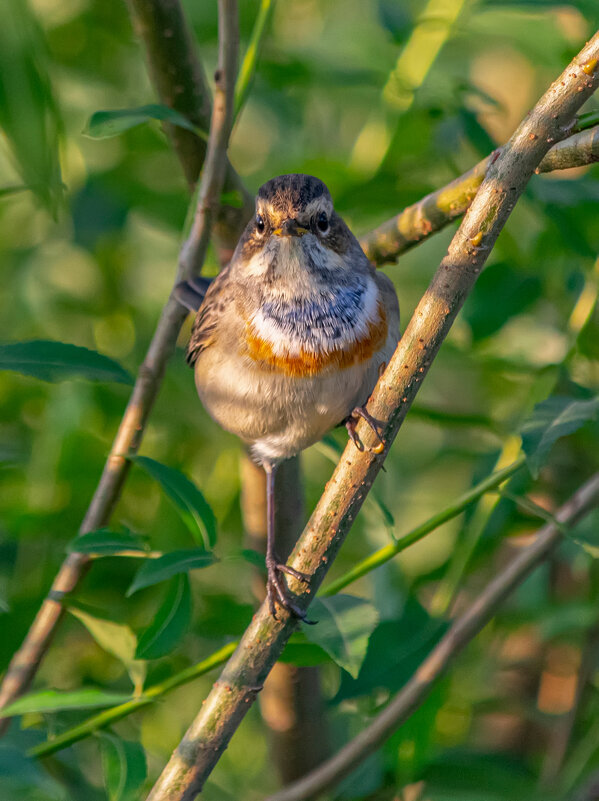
(310, 362)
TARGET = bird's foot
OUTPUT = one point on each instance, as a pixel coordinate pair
(276, 589)
(375, 425)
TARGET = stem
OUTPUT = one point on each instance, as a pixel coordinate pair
(383, 555)
(252, 54)
(110, 716)
(435, 211)
(434, 666)
(265, 638)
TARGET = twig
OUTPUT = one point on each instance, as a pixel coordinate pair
(459, 635)
(263, 641)
(252, 54)
(435, 211)
(457, 507)
(27, 659)
(180, 82)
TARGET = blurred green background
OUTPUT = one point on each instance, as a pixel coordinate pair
(385, 101)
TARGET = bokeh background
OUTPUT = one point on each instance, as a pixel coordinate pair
(385, 101)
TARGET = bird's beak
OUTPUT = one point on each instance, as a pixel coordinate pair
(290, 228)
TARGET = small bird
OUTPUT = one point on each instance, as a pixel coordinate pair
(291, 336)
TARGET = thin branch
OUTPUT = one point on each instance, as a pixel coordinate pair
(180, 82)
(265, 638)
(109, 716)
(387, 552)
(248, 66)
(435, 211)
(434, 666)
(24, 664)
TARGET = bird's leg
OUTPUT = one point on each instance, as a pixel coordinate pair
(374, 425)
(276, 588)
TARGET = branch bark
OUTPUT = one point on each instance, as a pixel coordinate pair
(24, 664)
(434, 666)
(507, 175)
(436, 211)
(179, 79)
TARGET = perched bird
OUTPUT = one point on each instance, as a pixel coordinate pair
(291, 336)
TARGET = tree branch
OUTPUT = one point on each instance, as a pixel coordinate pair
(434, 666)
(437, 210)
(180, 82)
(24, 664)
(263, 641)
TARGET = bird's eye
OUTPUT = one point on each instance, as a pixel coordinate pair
(322, 222)
(260, 223)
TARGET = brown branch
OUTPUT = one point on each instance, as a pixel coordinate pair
(437, 210)
(263, 641)
(291, 702)
(179, 79)
(434, 666)
(24, 664)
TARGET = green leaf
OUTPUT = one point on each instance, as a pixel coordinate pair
(301, 653)
(58, 361)
(124, 765)
(345, 624)
(187, 498)
(105, 542)
(54, 701)
(586, 533)
(552, 419)
(168, 565)
(29, 116)
(117, 639)
(105, 124)
(170, 623)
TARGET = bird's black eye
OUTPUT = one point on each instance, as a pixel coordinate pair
(322, 222)
(260, 223)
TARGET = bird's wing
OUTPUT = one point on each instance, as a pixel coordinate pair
(208, 316)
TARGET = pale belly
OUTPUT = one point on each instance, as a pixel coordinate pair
(276, 414)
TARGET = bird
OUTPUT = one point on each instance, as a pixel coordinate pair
(291, 337)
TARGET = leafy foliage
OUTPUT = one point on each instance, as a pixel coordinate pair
(57, 361)
(385, 107)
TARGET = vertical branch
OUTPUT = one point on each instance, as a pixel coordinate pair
(291, 702)
(180, 82)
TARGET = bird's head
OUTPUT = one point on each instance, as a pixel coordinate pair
(295, 229)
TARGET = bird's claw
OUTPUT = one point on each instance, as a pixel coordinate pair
(371, 422)
(276, 589)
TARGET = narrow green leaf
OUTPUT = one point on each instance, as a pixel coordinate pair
(552, 419)
(170, 623)
(586, 533)
(187, 498)
(105, 124)
(29, 116)
(168, 565)
(54, 701)
(117, 639)
(124, 765)
(58, 361)
(105, 542)
(345, 624)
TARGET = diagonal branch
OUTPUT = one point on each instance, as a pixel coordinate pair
(27, 659)
(435, 211)
(434, 666)
(236, 689)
